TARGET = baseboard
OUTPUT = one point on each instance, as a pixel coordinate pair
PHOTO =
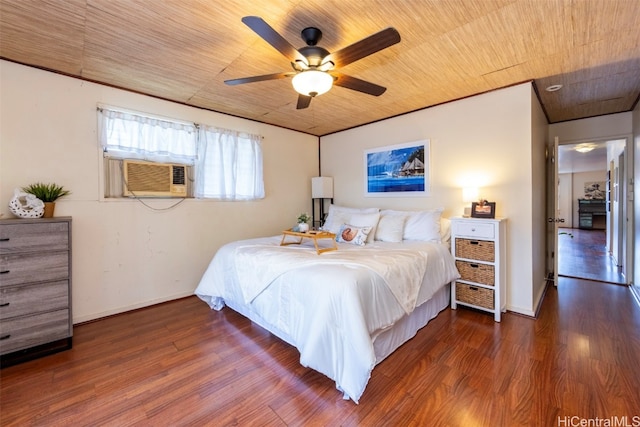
(635, 291)
(100, 315)
(521, 311)
(537, 303)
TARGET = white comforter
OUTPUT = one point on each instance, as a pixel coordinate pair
(331, 306)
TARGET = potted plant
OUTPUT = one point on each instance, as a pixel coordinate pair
(48, 193)
(303, 220)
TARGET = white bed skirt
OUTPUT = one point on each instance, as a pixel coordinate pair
(387, 341)
(409, 325)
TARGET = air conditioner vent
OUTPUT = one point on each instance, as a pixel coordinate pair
(178, 176)
(149, 179)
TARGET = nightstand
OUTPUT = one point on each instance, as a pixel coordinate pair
(479, 248)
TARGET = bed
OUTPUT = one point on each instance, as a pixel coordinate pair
(345, 310)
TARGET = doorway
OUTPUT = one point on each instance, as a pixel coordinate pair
(583, 254)
(590, 233)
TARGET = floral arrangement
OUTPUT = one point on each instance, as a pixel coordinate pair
(303, 218)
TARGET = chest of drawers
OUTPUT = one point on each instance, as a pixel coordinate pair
(479, 248)
(35, 287)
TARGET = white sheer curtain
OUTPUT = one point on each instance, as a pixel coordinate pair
(146, 137)
(229, 165)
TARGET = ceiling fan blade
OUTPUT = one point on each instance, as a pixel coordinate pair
(271, 36)
(303, 102)
(262, 78)
(365, 47)
(354, 83)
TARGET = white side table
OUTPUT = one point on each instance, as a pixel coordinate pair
(479, 248)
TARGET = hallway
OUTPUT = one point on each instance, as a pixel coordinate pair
(585, 256)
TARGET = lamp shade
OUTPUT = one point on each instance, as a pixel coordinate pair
(469, 194)
(312, 82)
(322, 187)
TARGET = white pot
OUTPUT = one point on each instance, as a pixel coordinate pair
(303, 227)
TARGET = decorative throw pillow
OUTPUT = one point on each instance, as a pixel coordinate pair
(390, 228)
(352, 234)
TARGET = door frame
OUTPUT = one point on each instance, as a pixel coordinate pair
(556, 208)
(627, 227)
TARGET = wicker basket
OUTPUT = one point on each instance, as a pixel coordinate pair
(482, 297)
(476, 272)
(475, 249)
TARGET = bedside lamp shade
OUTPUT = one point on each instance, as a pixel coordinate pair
(469, 194)
(322, 187)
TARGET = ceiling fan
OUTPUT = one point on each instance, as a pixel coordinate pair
(315, 68)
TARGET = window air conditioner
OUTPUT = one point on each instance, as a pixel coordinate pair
(149, 179)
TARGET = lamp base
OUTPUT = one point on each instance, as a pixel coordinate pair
(467, 213)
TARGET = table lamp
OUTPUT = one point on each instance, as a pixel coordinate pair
(469, 194)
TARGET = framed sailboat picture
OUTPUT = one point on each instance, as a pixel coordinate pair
(400, 170)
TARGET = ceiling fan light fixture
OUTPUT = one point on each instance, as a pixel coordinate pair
(312, 82)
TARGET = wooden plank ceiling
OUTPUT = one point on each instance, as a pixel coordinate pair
(183, 50)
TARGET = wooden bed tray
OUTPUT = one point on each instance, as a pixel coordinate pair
(314, 235)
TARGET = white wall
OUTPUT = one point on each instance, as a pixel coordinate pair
(126, 255)
(601, 127)
(486, 139)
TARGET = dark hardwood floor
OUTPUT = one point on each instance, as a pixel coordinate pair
(180, 363)
(585, 256)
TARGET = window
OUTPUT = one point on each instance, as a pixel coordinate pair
(125, 135)
(228, 163)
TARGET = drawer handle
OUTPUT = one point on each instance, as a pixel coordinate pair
(473, 288)
(6, 304)
(474, 265)
(5, 337)
(5, 271)
(4, 239)
(474, 242)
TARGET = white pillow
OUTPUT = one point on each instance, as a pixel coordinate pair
(423, 225)
(353, 234)
(339, 215)
(420, 225)
(390, 228)
(334, 220)
(366, 220)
